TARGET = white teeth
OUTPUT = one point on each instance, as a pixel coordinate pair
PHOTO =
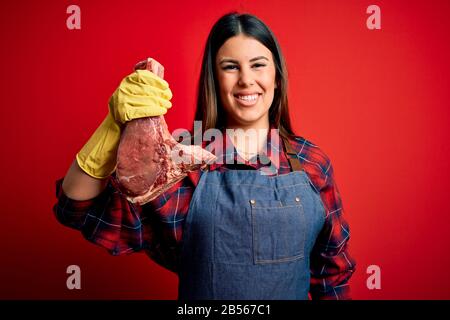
(248, 98)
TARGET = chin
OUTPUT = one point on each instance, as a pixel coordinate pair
(248, 120)
(246, 116)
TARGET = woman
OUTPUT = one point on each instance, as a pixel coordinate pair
(244, 229)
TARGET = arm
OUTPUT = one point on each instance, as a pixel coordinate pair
(89, 198)
(331, 264)
(108, 219)
(80, 186)
(141, 94)
(112, 222)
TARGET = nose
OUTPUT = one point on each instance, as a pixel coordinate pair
(245, 77)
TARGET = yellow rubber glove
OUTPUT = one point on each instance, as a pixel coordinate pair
(140, 94)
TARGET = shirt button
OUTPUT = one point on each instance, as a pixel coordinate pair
(297, 199)
(252, 201)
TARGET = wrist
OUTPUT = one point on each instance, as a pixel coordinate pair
(98, 157)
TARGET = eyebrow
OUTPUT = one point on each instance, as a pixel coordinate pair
(235, 61)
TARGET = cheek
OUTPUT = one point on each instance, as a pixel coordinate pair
(269, 85)
(226, 85)
(269, 79)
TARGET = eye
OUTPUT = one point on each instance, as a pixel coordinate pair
(230, 67)
(257, 65)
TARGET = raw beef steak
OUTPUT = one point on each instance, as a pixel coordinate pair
(150, 161)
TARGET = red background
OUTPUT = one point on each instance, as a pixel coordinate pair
(376, 101)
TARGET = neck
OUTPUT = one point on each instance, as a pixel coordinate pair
(249, 141)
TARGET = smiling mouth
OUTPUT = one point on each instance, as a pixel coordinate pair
(247, 100)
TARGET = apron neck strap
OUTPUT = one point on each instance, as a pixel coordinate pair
(291, 155)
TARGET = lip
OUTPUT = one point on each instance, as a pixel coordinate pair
(246, 103)
(246, 93)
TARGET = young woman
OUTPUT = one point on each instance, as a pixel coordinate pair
(245, 228)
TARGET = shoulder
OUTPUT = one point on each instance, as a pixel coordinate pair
(315, 161)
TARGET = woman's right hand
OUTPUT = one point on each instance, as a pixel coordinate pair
(144, 93)
(140, 94)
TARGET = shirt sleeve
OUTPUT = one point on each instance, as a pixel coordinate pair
(108, 220)
(331, 264)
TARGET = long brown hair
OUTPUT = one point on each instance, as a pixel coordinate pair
(209, 109)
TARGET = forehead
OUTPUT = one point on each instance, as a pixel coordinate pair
(242, 48)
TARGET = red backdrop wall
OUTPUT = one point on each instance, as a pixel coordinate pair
(376, 101)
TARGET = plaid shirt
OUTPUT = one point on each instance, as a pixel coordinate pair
(111, 221)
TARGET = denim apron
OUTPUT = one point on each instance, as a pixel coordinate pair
(249, 236)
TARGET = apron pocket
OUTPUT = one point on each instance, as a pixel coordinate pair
(278, 231)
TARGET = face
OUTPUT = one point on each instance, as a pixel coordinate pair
(246, 76)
